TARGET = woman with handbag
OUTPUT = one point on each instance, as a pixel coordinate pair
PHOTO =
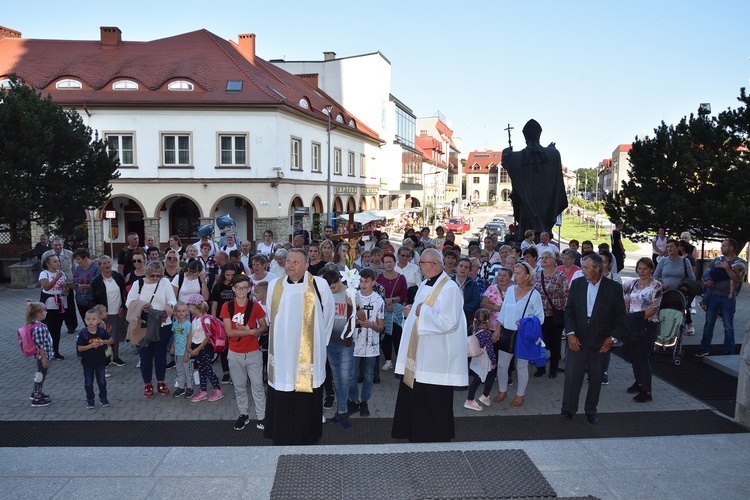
(396, 288)
(520, 301)
(552, 284)
(642, 301)
(154, 292)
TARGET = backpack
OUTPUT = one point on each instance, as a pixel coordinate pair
(28, 347)
(248, 310)
(216, 333)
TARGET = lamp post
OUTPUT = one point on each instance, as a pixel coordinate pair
(328, 109)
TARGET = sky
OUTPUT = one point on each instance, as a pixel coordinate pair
(594, 74)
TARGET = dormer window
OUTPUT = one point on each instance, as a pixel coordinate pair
(125, 85)
(181, 86)
(339, 118)
(5, 84)
(303, 104)
(68, 84)
(352, 124)
(324, 111)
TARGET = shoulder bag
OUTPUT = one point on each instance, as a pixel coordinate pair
(507, 342)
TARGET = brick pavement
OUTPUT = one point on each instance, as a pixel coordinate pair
(65, 384)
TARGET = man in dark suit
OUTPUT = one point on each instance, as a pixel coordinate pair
(594, 319)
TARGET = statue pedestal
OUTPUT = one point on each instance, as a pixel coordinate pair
(24, 275)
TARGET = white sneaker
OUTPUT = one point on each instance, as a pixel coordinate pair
(485, 400)
(324, 419)
(693, 311)
(472, 405)
(387, 366)
(138, 365)
(690, 330)
(106, 373)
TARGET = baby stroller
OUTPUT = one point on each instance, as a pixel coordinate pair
(671, 324)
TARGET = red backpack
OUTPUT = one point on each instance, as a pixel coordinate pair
(217, 335)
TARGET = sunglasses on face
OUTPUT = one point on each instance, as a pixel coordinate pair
(135, 261)
(171, 258)
(154, 276)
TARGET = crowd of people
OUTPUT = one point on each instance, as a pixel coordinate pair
(303, 339)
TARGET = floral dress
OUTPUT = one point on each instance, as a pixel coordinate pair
(640, 300)
(556, 287)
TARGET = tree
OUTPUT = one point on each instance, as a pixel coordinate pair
(52, 167)
(693, 176)
(586, 179)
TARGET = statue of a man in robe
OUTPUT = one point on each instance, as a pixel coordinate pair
(536, 175)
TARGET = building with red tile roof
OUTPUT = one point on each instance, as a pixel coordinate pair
(486, 180)
(202, 127)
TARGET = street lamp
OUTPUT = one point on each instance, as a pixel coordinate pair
(328, 109)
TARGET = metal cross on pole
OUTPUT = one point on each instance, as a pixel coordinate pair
(508, 130)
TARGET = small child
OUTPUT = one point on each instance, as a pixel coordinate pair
(102, 310)
(366, 339)
(482, 331)
(717, 273)
(36, 312)
(92, 345)
(202, 351)
(180, 331)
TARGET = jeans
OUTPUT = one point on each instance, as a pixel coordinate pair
(244, 367)
(341, 359)
(727, 307)
(88, 382)
(369, 375)
(154, 356)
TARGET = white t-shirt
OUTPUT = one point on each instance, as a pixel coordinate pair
(411, 272)
(199, 334)
(114, 300)
(264, 249)
(367, 340)
(268, 277)
(55, 290)
(189, 287)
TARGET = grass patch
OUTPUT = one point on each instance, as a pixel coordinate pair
(573, 229)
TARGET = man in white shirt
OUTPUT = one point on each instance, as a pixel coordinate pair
(302, 314)
(545, 243)
(231, 243)
(432, 357)
(245, 255)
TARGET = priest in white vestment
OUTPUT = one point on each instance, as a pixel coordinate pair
(301, 309)
(432, 356)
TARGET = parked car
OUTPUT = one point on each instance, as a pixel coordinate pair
(458, 225)
(494, 227)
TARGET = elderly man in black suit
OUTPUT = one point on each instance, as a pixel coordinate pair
(594, 320)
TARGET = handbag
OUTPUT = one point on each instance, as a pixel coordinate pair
(144, 313)
(691, 287)
(507, 342)
(473, 344)
(558, 316)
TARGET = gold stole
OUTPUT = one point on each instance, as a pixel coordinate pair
(304, 382)
(411, 352)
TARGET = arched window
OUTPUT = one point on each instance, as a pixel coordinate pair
(68, 84)
(303, 104)
(181, 85)
(185, 219)
(125, 85)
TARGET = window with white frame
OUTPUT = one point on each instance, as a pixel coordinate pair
(68, 84)
(232, 150)
(362, 166)
(350, 165)
(337, 161)
(125, 85)
(315, 157)
(175, 150)
(181, 86)
(123, 146)
(295, 163)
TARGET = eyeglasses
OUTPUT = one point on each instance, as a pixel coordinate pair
(241, 288)
(135, 261)
(154, 276)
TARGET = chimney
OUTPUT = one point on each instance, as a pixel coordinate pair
(329, 56)
(111, 36)
(247, 45)
(9, 33)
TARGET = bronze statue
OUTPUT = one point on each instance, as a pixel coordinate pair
(536, 175)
